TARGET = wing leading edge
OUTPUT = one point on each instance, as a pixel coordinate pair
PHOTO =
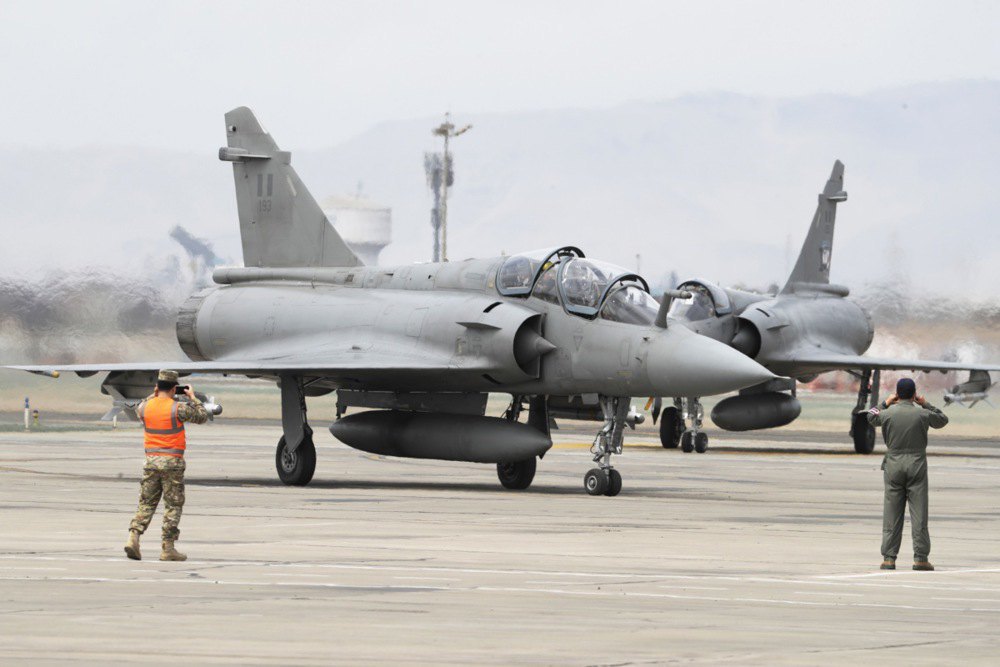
(827, 361)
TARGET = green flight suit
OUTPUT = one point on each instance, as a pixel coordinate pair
(904, 430)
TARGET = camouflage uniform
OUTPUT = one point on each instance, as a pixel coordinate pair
(164, 476)
(904, 429)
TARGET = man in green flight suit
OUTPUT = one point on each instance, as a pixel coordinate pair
(905, 418)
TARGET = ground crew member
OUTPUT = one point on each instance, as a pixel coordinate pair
(163, 419)
(905, 418)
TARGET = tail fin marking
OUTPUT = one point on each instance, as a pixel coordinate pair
(813, 264)
(281, 225)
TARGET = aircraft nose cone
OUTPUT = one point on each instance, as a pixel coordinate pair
(692, 365)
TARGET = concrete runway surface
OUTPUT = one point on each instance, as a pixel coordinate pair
(757, 552)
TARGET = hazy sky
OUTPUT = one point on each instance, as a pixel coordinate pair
(161, 74)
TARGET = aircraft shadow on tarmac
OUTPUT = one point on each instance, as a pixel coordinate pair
(399, 485)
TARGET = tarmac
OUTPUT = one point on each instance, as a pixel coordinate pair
(761, 551)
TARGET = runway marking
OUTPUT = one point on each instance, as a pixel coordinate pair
(818, 580)
(707, 598)
(837, 593)
(427, 578)
(18, 567)
(505, 589)
(896, 573)
(287, 574)
(221, 582)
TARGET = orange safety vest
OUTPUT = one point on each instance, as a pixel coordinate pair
(164, 433)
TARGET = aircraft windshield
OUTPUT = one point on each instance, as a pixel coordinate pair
(699, 307)
(517, 275)
(547, 287)
(630, 305)
(584, 281)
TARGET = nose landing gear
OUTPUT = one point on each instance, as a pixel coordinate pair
(694, 439)
(605, 480)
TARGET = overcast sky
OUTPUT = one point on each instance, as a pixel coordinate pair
(162, 74)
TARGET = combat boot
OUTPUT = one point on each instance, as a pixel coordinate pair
(132, 546)
(169, 553)
(923, 566)
(888, 564)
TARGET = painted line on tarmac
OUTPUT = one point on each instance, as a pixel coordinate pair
(222, 582)
(896, 573)
(505, 589)
(610, 577)
(707, 598)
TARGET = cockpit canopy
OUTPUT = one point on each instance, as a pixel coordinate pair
(581, 285)
(707, 301)
(517, 276)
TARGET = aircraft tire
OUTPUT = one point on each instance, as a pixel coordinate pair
(687, 442)
(701, 442)
(863, 434)
(595, 482)
(671, 427)
(614, 483)
(296, 469)
(517, 475)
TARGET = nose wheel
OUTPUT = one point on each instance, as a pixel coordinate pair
(618, 413)
(693, 439)
(602, 482)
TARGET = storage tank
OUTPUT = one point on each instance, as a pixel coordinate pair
(365, 226)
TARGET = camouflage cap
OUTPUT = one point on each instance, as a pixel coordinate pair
(168, 376)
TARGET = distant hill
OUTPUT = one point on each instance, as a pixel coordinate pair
(720, 186)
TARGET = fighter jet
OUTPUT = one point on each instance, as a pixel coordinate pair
(969, 393)
(421, 346)
(809, 327)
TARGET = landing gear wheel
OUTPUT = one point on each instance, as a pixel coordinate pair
(614, 483)
(671, 427)
(517, 475)
(595, 482)
(863, 434)
(701, 442)
(296, 468)
(687, 442)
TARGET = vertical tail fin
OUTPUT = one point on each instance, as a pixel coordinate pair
(281, 225)
(813, 265)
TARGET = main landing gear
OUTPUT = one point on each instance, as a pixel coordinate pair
(296, 467)
(518, 475)
(671, 426)
(605, 480)
(295, 457)
(862, 432)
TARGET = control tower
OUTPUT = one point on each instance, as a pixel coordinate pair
(363, 224)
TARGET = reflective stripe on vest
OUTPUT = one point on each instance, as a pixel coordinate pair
(164, 432)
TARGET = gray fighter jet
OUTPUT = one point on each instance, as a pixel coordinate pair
(808, 328)
(422, 346)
